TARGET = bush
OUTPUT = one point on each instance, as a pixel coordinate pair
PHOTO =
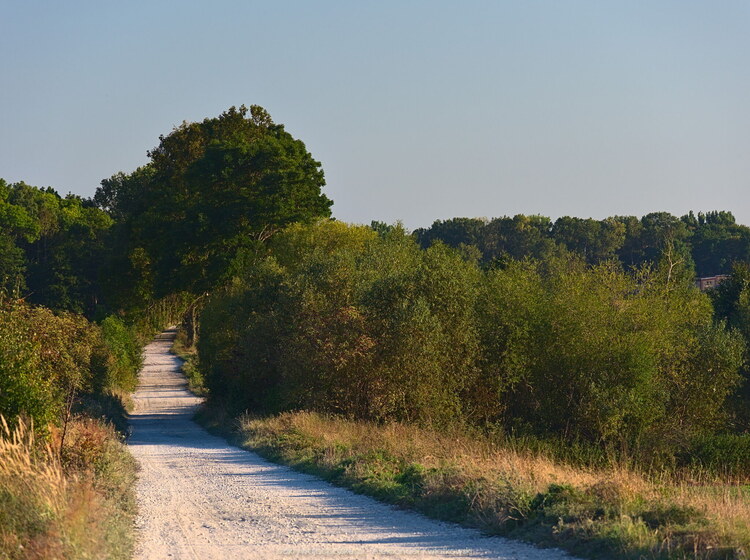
(82, 507)
(726, 455)
(47, 360)
(44, 358)
(124, 352)
(341, 319)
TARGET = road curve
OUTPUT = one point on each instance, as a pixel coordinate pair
(200, 498)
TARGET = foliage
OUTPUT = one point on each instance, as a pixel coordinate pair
(726, 455)
(82, 506)
(711, 241)
(51, 247)
(348, 320)
(603, 355)
(43, 358)
(210, 189)
(158, 315)
(124, 355)
(48, 359)
(486, 482)
(190, 366)
(731, 300)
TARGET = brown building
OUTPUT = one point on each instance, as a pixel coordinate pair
(710, 281)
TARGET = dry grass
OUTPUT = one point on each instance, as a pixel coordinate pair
(57, 504)
(608, 512)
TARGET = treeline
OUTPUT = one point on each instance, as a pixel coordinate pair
(708, 244)
(579, 328)
(52, 248)
(348, 320)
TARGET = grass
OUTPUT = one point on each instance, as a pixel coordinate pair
(66, 500)
(502, 488)
(189, 356)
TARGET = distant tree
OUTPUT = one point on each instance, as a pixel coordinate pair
(15, 224)
(594, 240)
(518, 237)
(717, 242)
(382, 228)
(453, 232)
(731, 301)
(51, 247)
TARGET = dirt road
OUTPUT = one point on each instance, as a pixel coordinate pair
(201, 498)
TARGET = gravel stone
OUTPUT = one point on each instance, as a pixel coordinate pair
(201, 498)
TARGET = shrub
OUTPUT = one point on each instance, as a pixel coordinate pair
(82, 507)
(339, 319)
(124, 353)
(727, 455)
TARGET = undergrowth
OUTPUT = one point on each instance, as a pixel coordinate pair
(611, 512)
(189, 367)
(66, 497)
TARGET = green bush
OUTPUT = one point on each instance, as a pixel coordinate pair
(124, 353)
(341, 319)
(44, 358)
(48, 361)
(722, 454)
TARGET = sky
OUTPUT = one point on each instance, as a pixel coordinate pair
(417, 110)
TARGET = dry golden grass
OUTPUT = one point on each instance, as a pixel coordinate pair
(53, 504)
(628, 513)
(475, 457)
(32, 487)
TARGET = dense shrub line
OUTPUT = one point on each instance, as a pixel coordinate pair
(66, 480)
(343, 319)
(47, 360)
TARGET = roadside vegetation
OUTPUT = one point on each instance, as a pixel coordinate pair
(498, 484)
(558, 381)
(66, 480)
(583, 406)
(190, 368)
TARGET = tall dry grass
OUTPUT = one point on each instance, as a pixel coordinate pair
(612, 512)
(57, 502)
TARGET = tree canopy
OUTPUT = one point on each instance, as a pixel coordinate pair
(210, 189)
(709, 243)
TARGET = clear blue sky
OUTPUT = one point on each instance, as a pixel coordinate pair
(418, 110)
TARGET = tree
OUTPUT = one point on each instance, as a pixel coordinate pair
(717, 242)
(594, 240)
(210, 190)
(518, 237)
(453, 232)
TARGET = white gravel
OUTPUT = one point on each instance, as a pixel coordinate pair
(201, 498)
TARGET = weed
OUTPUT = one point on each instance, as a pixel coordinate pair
(604, 512)
(74, 502)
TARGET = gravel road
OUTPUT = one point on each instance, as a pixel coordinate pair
(201, 498)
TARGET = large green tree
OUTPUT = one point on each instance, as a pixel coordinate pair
(211, 189)
(594, 240)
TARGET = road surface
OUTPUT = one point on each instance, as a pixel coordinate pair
(200, 498)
